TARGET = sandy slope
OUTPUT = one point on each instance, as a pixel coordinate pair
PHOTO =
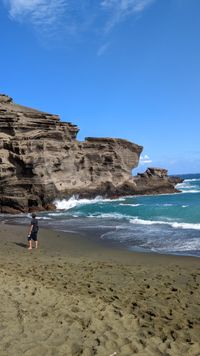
(77, 297)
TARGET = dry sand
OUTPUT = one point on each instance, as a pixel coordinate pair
(76, 297)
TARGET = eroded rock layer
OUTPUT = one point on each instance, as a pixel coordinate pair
(41, 160)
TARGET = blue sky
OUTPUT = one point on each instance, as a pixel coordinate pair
(116, 68)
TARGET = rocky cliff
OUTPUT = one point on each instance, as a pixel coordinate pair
(41, 159)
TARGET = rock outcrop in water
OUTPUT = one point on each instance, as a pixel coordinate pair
(41, 160)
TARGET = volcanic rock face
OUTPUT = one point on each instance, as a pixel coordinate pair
(41, 160)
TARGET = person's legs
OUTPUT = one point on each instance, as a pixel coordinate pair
(35, 239)
(30, 244)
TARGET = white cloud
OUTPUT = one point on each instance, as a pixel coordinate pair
(75, 16)
(40, 13)
(145, 159)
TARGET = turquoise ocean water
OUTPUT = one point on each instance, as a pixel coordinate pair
(167, 223)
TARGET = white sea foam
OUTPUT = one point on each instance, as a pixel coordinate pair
(124, 204)
(186, 187)
(138, 221)
(175, 225)
(192, 180)
(193, 244)
(74, 201)
(55, 214)
(110, 215)
(180, 246)
(183, 185)
(191, 191)
(186, 226)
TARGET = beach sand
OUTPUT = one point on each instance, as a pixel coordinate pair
(74, 296)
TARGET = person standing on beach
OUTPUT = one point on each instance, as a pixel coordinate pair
(32, 235)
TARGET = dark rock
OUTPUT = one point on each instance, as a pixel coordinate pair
(156, 181)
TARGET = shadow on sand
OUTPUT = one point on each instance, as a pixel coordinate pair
(21, 244)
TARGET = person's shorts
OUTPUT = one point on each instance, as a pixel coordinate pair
(33, 236)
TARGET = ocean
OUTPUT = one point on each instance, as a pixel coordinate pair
(166, 224)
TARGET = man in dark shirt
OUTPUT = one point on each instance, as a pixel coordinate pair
(32, 235)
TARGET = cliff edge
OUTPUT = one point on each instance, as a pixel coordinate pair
(41, 160)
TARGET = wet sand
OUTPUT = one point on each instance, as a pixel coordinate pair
(74, 296)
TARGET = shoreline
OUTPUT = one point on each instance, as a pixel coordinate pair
(78, 296)
(74, 245)
(94, 235)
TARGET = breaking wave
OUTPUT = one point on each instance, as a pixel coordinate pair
(174, 224)
(74, 201)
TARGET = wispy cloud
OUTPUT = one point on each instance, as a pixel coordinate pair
(121, 9)
(75, 16)
(145, 159)
(102, 49)
(41, 14)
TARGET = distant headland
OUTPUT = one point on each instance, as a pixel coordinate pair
(41, 160)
